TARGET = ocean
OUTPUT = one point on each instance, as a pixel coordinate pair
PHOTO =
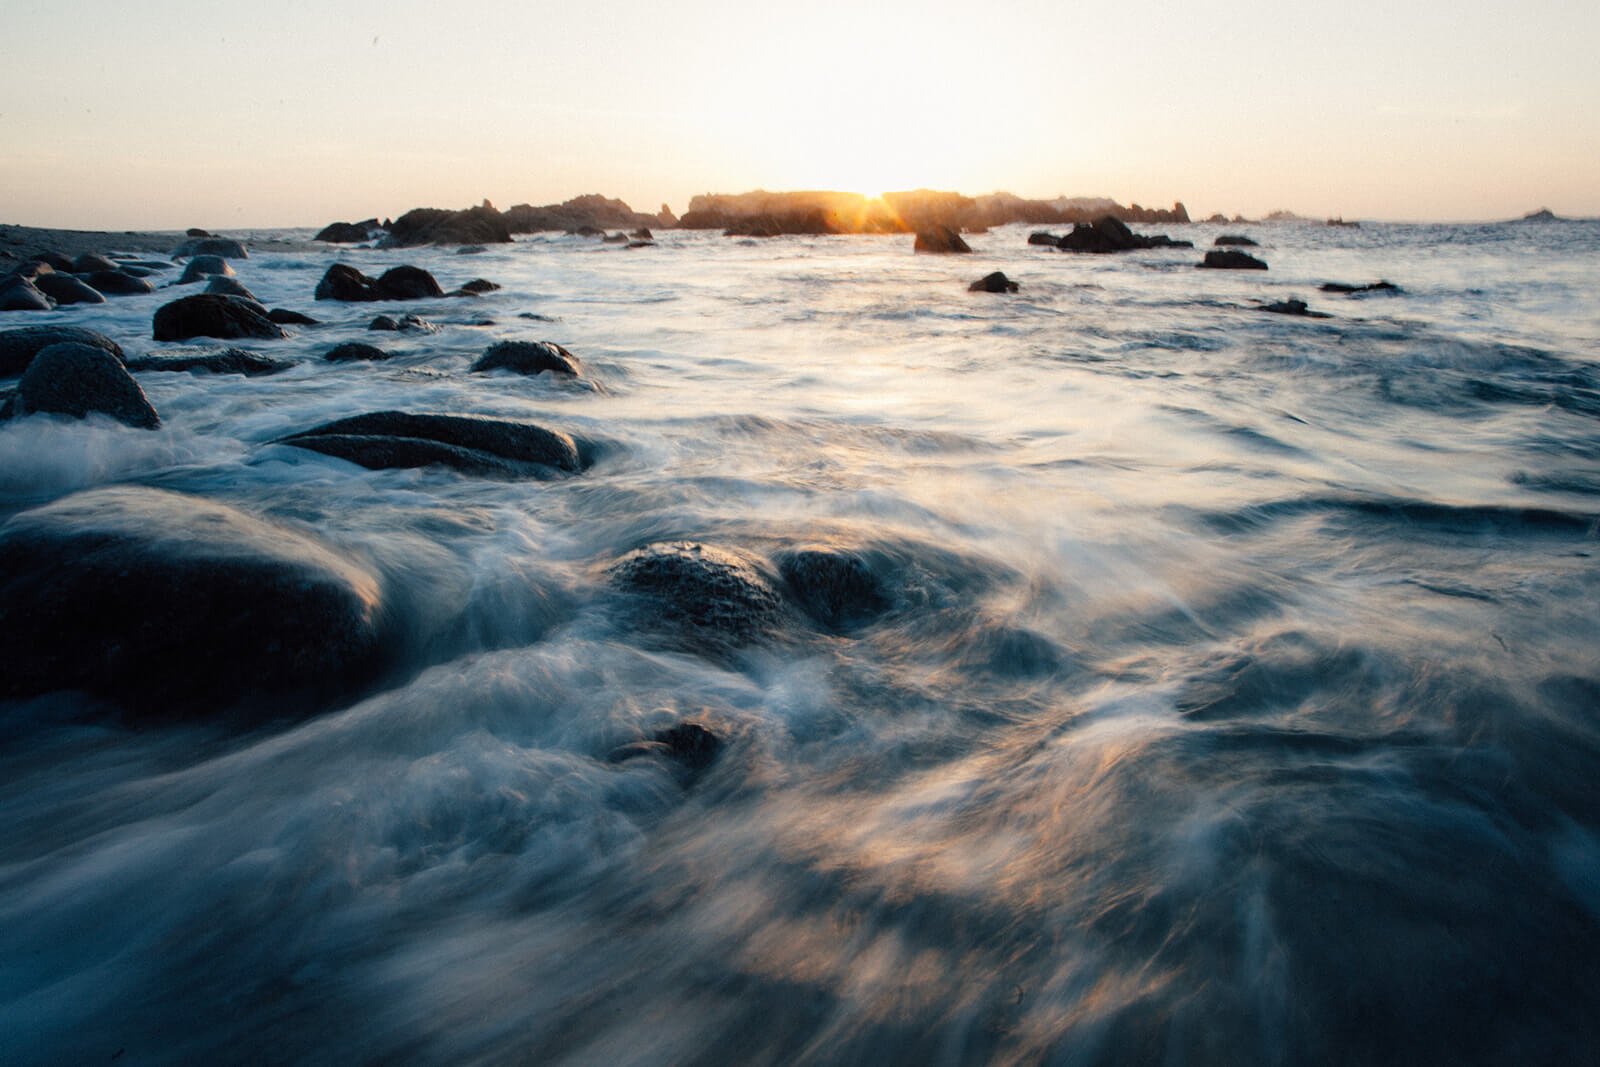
(1209, 686)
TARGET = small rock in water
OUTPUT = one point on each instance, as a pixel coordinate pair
(404, 324)
(1234, 239)
(20, 294)
(90, 262)
(195, 231)
(474, 445)
(227, 361)
(940, 240)
(836, 588)
(355, 351)
(347, 232)
(689, 744)
(231, 287)
(1046, 239)
(1375, 287)
(720, 594)
(479, 285)
(18, 347)
(344, 282)
(205, 267)
(993, 283)
(211, 315)
(55, 260)
(285, 317)
(226, 247)
(528, 357)
(119, 283)
(65, 289)
(1294, 307)
(1231, 260)
(81, 380)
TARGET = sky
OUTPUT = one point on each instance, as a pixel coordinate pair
(170, 113)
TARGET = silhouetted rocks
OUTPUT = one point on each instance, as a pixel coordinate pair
(591, 212)
(1237, 239)
(55, 261)
(993, 283)
(19, 346)
(688, 744)
(1111, 234)
(940, 240)
(285, 317)
(479, 285)
(81, 380)
(195, 231)
(1375, 287)
(528, 357)
(230, 318)
(65, 289)
(225, 247)
(1050, 240)
(173, 605)
(343, 282)
(226, 361)
(119, 283)
(473, 445)
(20, 294)
(1544, 214)
(1231, 260)
(355, 352)
(718, 594)
(349, 232)
(438, 226)
(836, 588)
(1294, 307)
(768, 214)
(205, 266)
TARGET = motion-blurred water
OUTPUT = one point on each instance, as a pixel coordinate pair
(1237, 699)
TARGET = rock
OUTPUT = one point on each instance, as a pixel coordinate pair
(1111, 234)
(204, 267)
(348, 232)
(80, 380)
(1231, 260)
(1375, 287)
(471, 250)
(285, 317)
(227, 286)
(18, 347)
(355, 351)
(118, 283)
(479, 285)
(226, 361)
(720, 594)
(344, 282)
(993, 283)
(468, 443)
(643, 233)
(528, 357)
(230, 318)
(940, 240)
(1544, 214)
(55, 260)
(65, 289)
(89, 262)
(1049, 239)
(407, 283)
(688, 744)
(1233, 239)
(480, 225)
(225, 247)
(20, 294)
(404, 324)
(641, 244)
(172, 605)
(1294, 307)
(614, 239)
(836, 588)
(195, 231)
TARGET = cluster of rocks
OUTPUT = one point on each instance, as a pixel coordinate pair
(49, 279)
(1105, 235)
(589, 215)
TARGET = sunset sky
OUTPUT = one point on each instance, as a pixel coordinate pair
(170, 114)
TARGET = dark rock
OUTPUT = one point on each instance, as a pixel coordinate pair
(344, 282)
(89, 262)
(721, 594)
(940, 240)
(205, 267)
(407, 283)
(481, 225)
(227, 286)
(614, 239)
(195, 231)
(55, 260)
(404, 324)
(1294, 307)
(118, 283)
(65, 289)
(474, 445)
(1231, 260)
(471, 250)
(355, 351)
(20, 294)
(689, 744)
(1111, 234)
(1375, 287)
(836, 588)
(528, 357)
(993, 283)
(641, 244)
(225, 247)
(384, 322)
(1544, 214)
(479, 285)
(346, 233)
(230, 318)
(586, 231)
(80, 380)
(226, 361)
(173, 605)
(642, 234)
(285, 317)
(1049, 239)
(18, 347)
(1234, 239)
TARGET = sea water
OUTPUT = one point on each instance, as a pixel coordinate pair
(1237, 698)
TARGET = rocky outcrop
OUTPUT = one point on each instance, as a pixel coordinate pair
(528, 357)
(346, 233)
(172, 605)
(18, 347)
(703, 592)
(993, 283)
(343, 282)
(940, 240)
(437, 226)
(1111, 234)
(590, 211)
(230, 318)
(470, 444)
(226, 361)
(80, 380)
(1231, 260)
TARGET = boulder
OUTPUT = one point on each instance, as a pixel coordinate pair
(1111, 234)
(689, 745)
(89, 262)
(1049, 239)
(941, 240)
(55, 260)
(225, 247)
(195, 231)
(428, 226)
(528, 357)
(119, 283)
(836, 588)
(225, 361)
(344, 282)
(173, 605)
(20, 294)
(479, 285)
(227, 286)
(65, 289)
(18, 347)
(1231, 260)
(993, 283)
(355, 351)
(285, 317)
(81, 380)
(643, 233)
(404, 324)
(1236, 239)
(1375, 287)
(230, 318)
(468, 443)
(205, 267)
(345, 233)
(407, 283)
(1294, 307)
(718, 594)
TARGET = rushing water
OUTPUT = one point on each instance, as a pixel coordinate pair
(1236, 698)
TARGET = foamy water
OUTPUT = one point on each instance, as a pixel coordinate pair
(1236, 698)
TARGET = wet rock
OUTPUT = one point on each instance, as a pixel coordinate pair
(285, 317)
(642, 234)
(1111, 234)
(993, 283)
(119, 283)
(481, 225)
(65, 289)
(479, 285)
(81, 380)
(688, 744)
(940, 240)
(18, 347)
(355, 351)
(226, 361)
(468, 443)
(1294, 307)
(55, 260)
(231, 287)
(226, 247)
(230, 318)
(344, 282)
(1375, 287)
(1234, 239)
(346, 233)
(528, 357)
(172, 605)
(404, 324)
(719, 594)
(1049, 239)
(614, 239)
(407, 283)
(836, 588)
(20, 294)
(89, 262)
(195, 231)
(204, 267)
(641, 244)
(1231, 260)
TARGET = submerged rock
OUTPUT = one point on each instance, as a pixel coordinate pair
(1375, 287)
(720, 594)
(1234, 239)
(688, 744)
(18, 347)
(174, 605)
(469, 443)
(1231, 260)
(940, 240)
(993, 283)
(212, 315)
(528, 357)
(1294, 307)
(344, 282)
(80, 380)
(837, 588)
(285, 317)
(355, 351)
(226, 361)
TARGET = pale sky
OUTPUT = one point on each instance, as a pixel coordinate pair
(173, 113)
